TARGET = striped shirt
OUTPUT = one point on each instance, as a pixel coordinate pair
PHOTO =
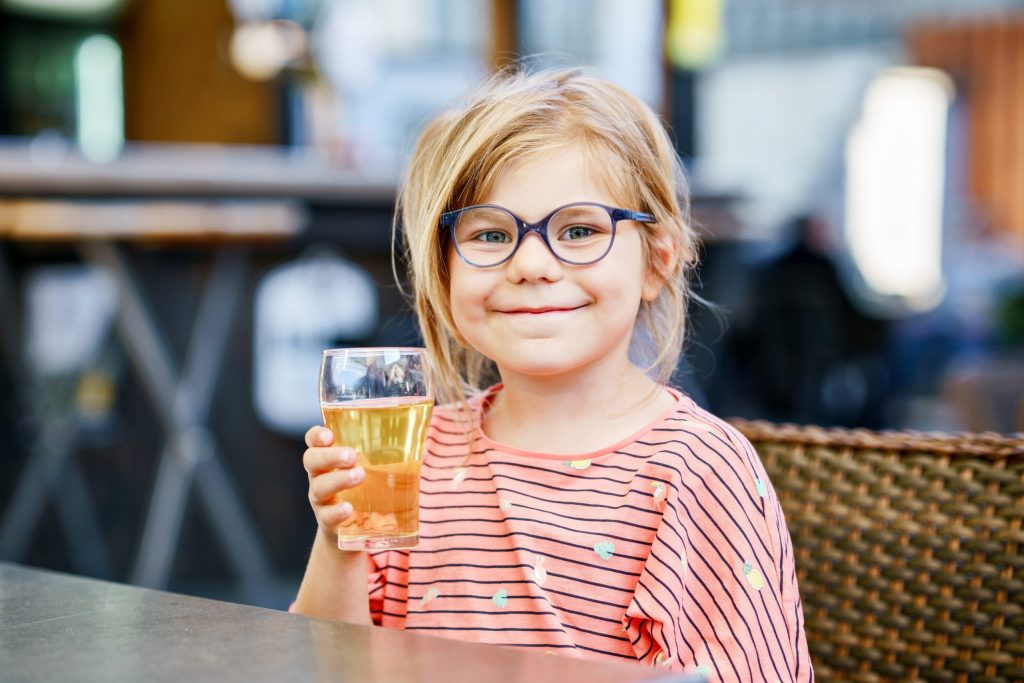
(669, 547)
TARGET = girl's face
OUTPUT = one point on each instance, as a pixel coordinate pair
(535, 315)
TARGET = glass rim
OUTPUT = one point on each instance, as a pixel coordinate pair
(367, 350)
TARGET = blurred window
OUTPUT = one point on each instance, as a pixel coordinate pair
(622, 39)
(62, 77)
(39, 77)
(388, 66)
(770, 130)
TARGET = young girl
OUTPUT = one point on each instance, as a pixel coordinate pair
(580, 505)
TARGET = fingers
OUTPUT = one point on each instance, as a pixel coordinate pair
(333, 515)
(317, 459)
(323, 487)
(331, 470)
(319, 436)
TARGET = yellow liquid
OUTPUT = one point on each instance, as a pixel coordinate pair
(389, 436)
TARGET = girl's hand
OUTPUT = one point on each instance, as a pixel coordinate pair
(331, 469)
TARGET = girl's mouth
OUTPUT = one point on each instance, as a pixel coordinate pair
(540, 310)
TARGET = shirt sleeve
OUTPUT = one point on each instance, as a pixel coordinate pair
(718, 593)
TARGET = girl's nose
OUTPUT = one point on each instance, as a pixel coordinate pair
(533, 261)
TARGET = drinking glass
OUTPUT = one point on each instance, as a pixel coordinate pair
(379, 402)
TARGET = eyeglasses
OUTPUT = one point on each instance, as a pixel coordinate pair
(581, 233)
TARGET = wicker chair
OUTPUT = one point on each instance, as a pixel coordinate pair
(909, 550)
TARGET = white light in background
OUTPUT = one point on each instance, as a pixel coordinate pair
(98, 79)
(259, 50)
(895, 174)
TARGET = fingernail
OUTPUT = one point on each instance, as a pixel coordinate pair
(325, 437)
(348, 457)
(355, 475)
(346, 508)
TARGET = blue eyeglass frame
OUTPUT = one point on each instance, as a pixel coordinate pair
(450, 218)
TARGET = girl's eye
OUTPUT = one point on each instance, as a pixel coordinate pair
(492, 237)
(578, 232)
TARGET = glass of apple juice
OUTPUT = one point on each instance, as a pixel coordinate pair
(378, 401)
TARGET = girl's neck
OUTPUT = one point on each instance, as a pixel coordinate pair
(578, 413)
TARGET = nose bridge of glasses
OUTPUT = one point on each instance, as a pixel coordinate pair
(539, 229)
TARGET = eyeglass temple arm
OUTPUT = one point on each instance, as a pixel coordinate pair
(627, 215)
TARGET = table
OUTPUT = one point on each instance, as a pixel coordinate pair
(58, 627)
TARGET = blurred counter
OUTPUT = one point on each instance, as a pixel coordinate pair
(50, 167)
(191, 193)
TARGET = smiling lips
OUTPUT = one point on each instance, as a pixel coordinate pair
(540, 310)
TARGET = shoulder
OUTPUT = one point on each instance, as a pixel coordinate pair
(692, 430)
(705, 455)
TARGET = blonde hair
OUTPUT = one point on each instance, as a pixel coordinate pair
(458, 158)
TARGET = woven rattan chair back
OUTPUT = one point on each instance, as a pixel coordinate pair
(909, 550)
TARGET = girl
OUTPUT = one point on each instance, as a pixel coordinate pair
(580, 505)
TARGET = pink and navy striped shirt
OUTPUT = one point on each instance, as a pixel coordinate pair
(669, 547)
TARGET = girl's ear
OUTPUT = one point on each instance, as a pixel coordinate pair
(662, 259)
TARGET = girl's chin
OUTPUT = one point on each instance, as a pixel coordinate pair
(552, 358)
(541, 368)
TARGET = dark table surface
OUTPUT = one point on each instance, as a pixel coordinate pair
(56, 627)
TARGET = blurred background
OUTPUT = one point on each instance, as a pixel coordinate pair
(196, 199)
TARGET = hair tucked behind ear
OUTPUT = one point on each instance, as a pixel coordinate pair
(460, 154)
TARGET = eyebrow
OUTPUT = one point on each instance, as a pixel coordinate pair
(568, 208)
(571, 209)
